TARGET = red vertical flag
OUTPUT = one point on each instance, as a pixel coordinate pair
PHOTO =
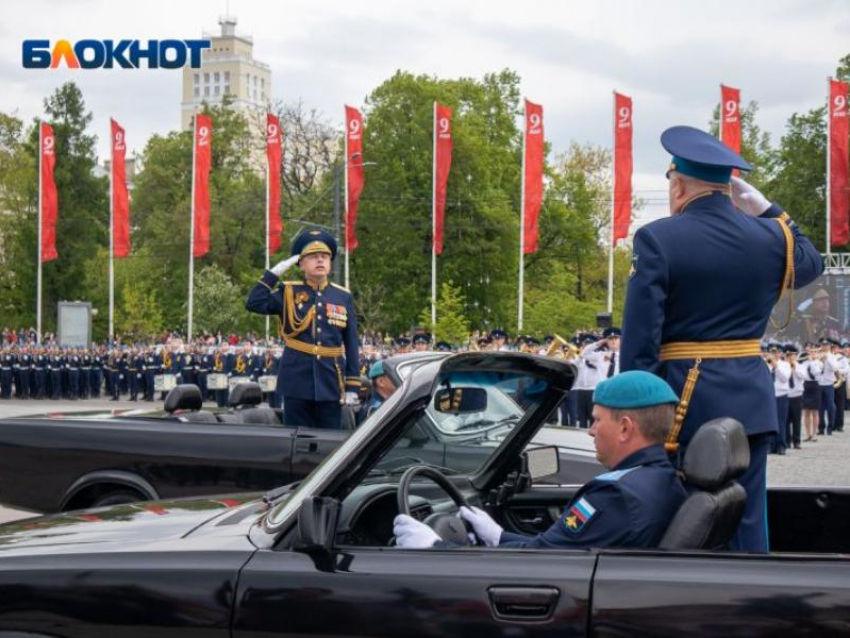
(354, 173)
(48, 196)
(730, 117)
(533, 176)
(622, 166)
(442, 165)
(274, 155)
(120, 196)
(201, 194)
(839, 170)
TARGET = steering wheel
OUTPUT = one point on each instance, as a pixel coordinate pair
(448, 526)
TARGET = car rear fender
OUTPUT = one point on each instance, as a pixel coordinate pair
(109, 477)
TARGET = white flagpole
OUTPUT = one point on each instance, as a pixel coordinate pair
(192, 235)
(268, 213)
(613, 198)
(828, 164)
(434, 225)
(721, 115)
(111, 236)
(521, 288)
(345, 197)
(38, 279)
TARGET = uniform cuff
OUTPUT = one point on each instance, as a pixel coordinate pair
(772, 212)
(269, 279)
(352, 382)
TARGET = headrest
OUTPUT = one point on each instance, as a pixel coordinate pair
(183, 397)
(718, 453)
(245, 394)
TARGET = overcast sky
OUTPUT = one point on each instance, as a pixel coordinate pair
(670, 57)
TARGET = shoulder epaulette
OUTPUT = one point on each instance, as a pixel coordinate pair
(293, 283)
(341, 287)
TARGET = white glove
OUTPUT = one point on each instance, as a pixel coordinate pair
(748, 198)
(281, 267)
(411, 534)
(352, 398)
(486, 529)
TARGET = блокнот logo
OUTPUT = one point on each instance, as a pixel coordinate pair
(110, 54)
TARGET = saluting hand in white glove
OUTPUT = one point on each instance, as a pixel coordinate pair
(486, 529)
(281, 267)
(748, 198)
(412, 534)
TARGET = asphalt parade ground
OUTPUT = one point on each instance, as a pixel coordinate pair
(825, 462)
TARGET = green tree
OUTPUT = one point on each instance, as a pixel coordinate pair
(139, 316)
(83, 210)
(218, 301)
(452, 325)
(161, 208)
(481, 221)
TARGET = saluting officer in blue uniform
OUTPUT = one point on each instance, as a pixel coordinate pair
(318, 372)
(701, 289)
(629, 506)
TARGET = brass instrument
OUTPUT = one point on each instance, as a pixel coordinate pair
(557, 344)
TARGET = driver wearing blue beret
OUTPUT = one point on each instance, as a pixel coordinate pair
(629, 506)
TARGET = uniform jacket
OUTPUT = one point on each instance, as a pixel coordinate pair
(631, 506)
(711, 273)
(306, 376)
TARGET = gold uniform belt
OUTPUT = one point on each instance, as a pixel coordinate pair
(710, 349)
(315, 350)
(699, 350)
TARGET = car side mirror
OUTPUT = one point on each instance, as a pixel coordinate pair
(317, 519)
(541, 462)
(460, 400)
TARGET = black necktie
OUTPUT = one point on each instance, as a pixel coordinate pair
(791, 380)
(613, 363)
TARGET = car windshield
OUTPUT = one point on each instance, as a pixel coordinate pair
(465, 423)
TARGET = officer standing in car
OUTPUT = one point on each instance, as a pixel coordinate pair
(701, 289)
(319, 371)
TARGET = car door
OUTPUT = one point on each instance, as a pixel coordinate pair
(434, 592)
(714, 594)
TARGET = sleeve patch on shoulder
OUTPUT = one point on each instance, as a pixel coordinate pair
(579, 515)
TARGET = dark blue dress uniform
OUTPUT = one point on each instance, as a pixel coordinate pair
(96, 375)
(55, 367)
(701, 287)
(6, 363)
(631, 506)
(151, 368)
(223, 363)
(319, 329)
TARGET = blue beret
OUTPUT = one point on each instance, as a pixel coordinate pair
(700, 155)
(376, 370)
(312, 241)
(633, 389)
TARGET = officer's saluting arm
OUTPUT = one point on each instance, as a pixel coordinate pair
(265, 298)
(645, 299)
(808, 263)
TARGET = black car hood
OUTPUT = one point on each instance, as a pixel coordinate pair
(117, 526)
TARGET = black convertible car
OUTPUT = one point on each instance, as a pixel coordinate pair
(318, 558)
